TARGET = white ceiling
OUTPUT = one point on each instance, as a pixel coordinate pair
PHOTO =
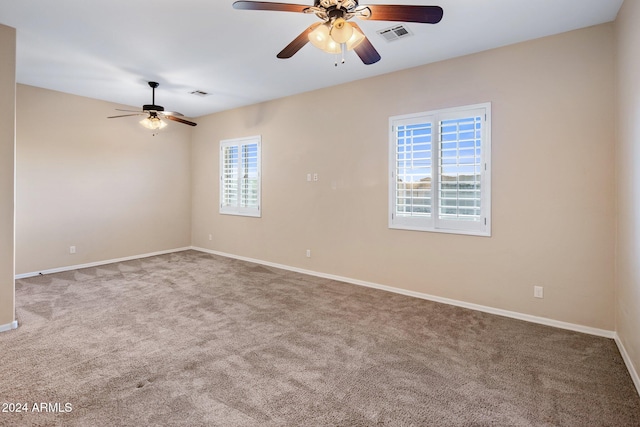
(109, 50)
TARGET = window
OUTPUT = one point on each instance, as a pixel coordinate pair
(240, 176)
(440, 171)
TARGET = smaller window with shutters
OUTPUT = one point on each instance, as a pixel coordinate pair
(440, 171)
(240, 176)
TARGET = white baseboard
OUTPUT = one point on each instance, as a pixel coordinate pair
(628, 362)
(99, 263)
(9, 326)
(500, 312)
(478, 307)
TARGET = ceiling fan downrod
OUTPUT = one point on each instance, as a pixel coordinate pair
(153, 106)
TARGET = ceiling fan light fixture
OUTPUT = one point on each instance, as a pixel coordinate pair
(319, 37)
(153, 123)
(324, 38)
(341, 31)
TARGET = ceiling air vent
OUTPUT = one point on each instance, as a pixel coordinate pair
(199, 93)
(394, 33)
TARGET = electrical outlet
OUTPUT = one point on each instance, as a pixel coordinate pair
(538, 291)
(315, 176)
(72, 249)
(308, 253)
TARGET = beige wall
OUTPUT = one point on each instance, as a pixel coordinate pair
(7, 150)
(113, 191)
(628, 181)
(108, 187)
(553, 180)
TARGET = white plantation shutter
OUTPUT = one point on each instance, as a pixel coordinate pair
(249, 176)
(460, 170)
(440, 171)
(240, 176)
(230, 175)
(412, 171)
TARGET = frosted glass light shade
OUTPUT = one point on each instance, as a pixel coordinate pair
(356, 38)
(332, 47)
(320, 36)
(329, 39)
(341, 31)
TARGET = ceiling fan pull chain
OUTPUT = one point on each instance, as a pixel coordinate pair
(342, 49)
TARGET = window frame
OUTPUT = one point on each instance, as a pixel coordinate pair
(237, 209)
(435, 222)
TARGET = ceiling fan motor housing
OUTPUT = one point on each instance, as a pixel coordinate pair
(335, 13)
(332, 10)
(151, 107)
(329, 3)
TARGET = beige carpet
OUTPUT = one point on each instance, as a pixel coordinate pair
(192, 339)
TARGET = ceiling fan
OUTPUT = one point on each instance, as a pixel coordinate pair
(155, 113)
(334, 34)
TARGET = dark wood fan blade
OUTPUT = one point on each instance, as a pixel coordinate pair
(297, 43)
(172, 113)
(263, 5)
(365, 50)
(405, 13)
(127, 115)
(178, 119)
